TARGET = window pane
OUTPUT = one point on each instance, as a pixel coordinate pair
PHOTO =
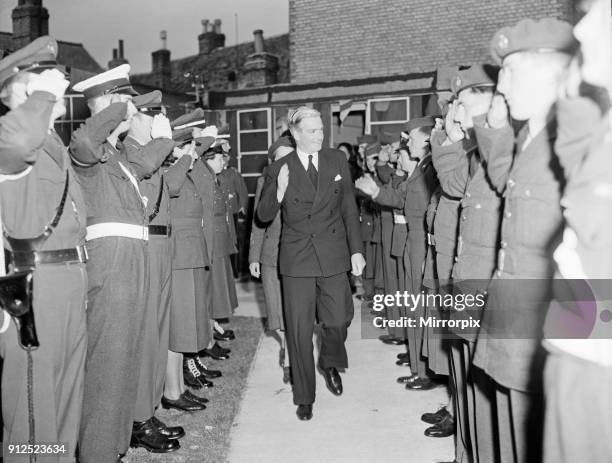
(388, 110)
(64, 131)
(253, 163)
(253, 142)
(254, 120)
(79, 107)
(251, 183)
(394, 129)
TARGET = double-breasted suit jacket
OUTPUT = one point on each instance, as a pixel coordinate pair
(320, 227)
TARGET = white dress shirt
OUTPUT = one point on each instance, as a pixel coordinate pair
(304, 159)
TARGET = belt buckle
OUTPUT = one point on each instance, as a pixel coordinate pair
(82, 253)
(145, 233)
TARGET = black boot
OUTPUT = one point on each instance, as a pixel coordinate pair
(205, 371)
(145, 434)
(192, 376)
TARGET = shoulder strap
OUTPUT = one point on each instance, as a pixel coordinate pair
(159, 199)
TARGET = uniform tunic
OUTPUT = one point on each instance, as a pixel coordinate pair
(29, 204)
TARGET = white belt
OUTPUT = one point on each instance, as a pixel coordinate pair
(399, 218)
(124, 230)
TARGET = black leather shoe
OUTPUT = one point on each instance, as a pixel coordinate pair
(191, 375)
(421, 384)
(206, 373)
(182, 403)
(304, 412)
(333, 380)
(386, 339)
(403, 355)
(147, 436)
(227, 335)
(403, 362)
(406, 379)
(444, 428)
(435, 418)
(171, 432)
(195, 398)
(215, 352)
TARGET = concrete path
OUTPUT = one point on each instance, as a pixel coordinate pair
(375, 420)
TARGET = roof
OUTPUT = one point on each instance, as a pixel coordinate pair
(69, 54)
(218, 64)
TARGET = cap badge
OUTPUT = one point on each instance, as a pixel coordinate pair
(502, 42)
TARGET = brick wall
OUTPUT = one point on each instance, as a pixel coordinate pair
(347, 39)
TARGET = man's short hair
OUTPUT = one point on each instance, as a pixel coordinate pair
(297, 116)
(6, 88)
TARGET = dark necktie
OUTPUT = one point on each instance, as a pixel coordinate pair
(312, 172)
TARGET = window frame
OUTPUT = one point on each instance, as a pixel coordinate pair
(239, 132)
(368, 121)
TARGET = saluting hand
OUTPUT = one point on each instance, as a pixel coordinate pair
(358, 263)
(367, 185)
(160, 127)
(51, 80)
(497, 117)
(282, 182)
(451, 126)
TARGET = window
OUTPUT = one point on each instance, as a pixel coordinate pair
(387, 114)
(76, 113)
(254, 138)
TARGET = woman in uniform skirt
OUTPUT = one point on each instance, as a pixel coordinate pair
(190, 329)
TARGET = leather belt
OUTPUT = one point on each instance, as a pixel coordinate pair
(124, 230)
(22, 259)
(160, 230)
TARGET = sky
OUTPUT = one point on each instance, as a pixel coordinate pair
(99, 24)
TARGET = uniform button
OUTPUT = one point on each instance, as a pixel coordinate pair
(463, 217)
(369, 223)
(511, 183)
(527, 193)
(508, 214)
(498, 273)
(504, 244)
(468, 195)
(478, 206)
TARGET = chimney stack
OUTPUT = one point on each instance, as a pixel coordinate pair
(211, 37)
(162, 69)
(260, 68)
(30, 21)
(118, 58)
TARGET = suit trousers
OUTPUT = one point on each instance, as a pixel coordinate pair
(118, 280)
(327, 299)
(156, 329)
(58, 364)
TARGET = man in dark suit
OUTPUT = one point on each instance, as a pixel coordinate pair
(320, 242)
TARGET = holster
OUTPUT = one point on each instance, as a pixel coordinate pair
(17, 299)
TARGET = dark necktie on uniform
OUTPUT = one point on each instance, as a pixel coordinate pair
(312, 172)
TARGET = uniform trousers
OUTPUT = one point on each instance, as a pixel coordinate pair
(118, 280)
(578, 410)
(327, 299)
(156, 329)
(60, 292)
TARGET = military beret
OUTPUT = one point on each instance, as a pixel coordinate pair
(482, 75)
(149, 103)
(544, 35)
(367, 138)
(116, 80)
(37, 56)
(281, 141)
(427, 121)
(386, 138)
(372, 148)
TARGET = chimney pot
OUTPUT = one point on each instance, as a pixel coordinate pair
(217, 26)
(205, 23)
(115, 56)
(258, 40)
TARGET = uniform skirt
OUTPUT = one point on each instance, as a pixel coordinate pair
(190, 329)
(224, 298)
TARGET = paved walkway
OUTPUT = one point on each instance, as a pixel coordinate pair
(375, 420)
